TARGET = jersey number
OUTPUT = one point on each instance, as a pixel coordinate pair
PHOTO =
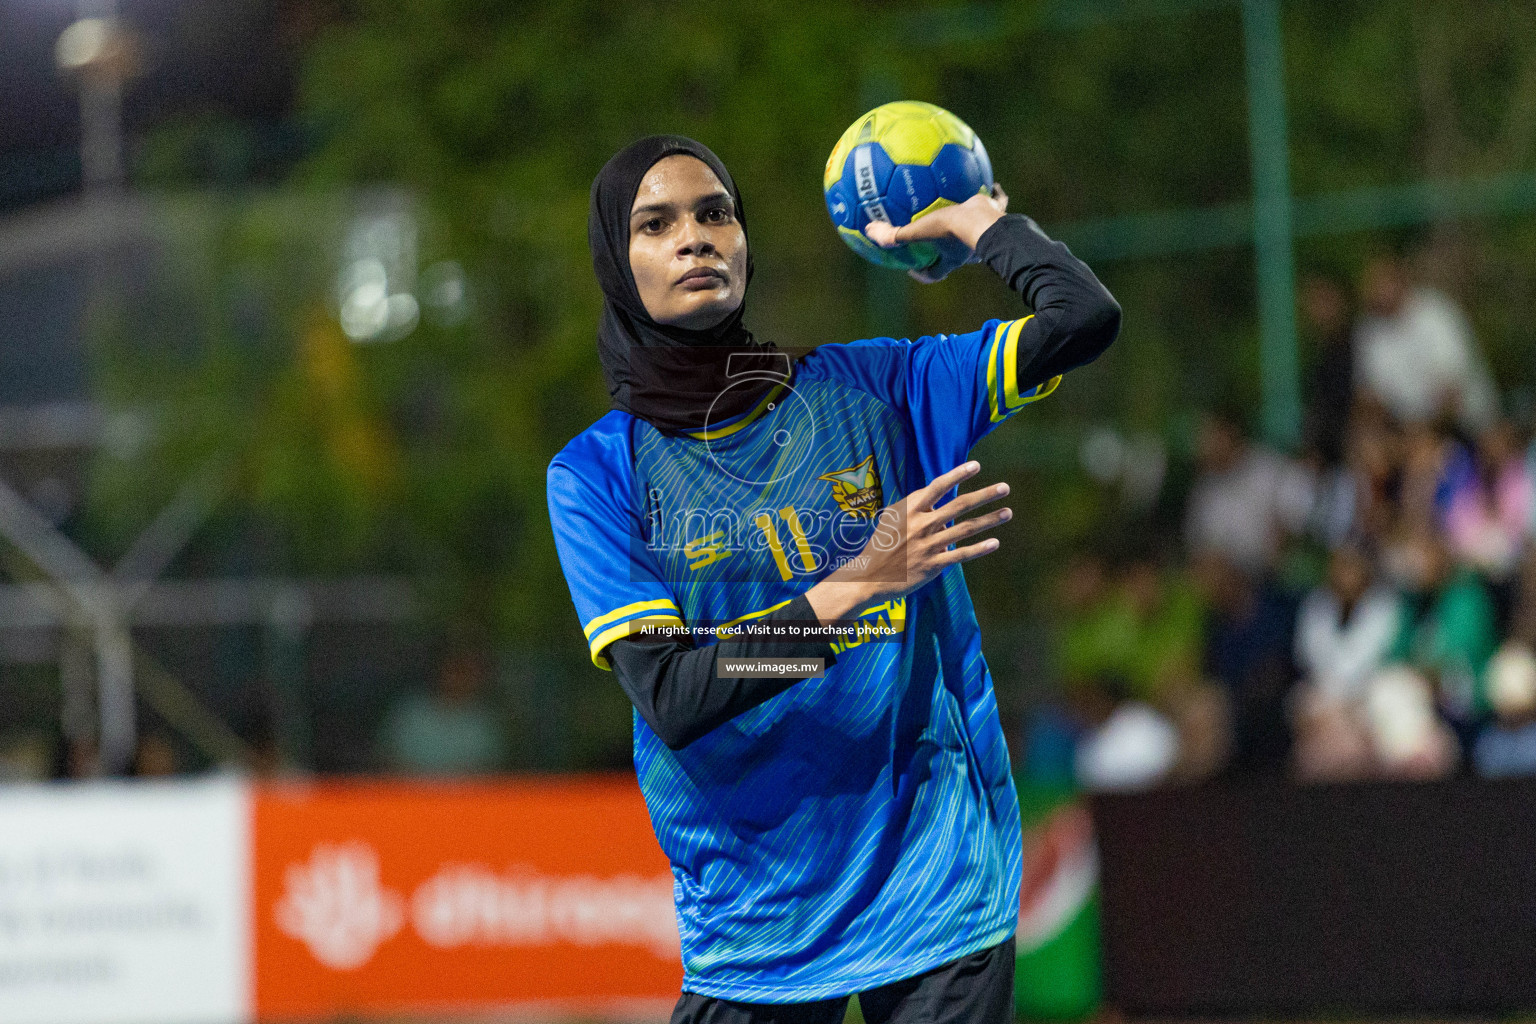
(771, 534)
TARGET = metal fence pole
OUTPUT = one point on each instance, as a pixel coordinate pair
(1270, 156)
(886, 296)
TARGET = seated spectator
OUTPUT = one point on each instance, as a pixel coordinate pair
(1530, 472)
(1139, 638)
(77, 757)
(1248, 650)
(450, 731)
(1414, 352)
(1051, 734)
(1376, 461)
(26, 756)
(1344, 632)
(1333, 743)
(1165, 672)
(1330, 385)
(1522, 624)
(1155, 620)
(1346, 629)
(1203, 717)
(1090, 648)
(155, 757)
(1136, 747)
(1507, 747)
(1358, 499)
(1392, 733)
(1449, 629)
(1489, 504)
(1094, 631)
(1408, 740)
(1429, 454)
(1245, 497)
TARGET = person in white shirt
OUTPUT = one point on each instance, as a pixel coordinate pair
(1415, 353)
(1346, 629)
(1344, 633)
(1246, 499)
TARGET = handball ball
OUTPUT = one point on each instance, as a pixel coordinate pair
(897, 163)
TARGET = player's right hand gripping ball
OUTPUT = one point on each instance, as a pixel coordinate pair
(897, 163)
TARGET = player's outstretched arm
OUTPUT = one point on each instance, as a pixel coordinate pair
(911, 545)
(1076, 318)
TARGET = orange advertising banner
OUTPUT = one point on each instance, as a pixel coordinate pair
(395, 897)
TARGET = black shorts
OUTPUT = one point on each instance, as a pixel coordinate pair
(976, 989)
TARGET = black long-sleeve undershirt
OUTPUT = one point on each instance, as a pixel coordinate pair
(675, 686)
(1075, 319)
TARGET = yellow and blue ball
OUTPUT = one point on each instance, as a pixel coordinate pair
(897, 163)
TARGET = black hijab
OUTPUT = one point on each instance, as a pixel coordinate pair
(674, 378)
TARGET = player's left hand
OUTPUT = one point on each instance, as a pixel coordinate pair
(967, 222)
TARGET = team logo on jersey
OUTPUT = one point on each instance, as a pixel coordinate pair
(857, 488)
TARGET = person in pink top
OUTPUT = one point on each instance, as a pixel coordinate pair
(1488, 512)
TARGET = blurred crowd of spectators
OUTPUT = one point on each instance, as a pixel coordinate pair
(1365, 610)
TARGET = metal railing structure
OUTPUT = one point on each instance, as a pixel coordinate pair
(63, 590)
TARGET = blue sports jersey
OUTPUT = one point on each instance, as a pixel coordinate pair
(855, 829)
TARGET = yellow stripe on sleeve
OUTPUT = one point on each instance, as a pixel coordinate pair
(600, 643)
(630, 609)
(994, 407)
(1011, 364)
(1040, 391)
